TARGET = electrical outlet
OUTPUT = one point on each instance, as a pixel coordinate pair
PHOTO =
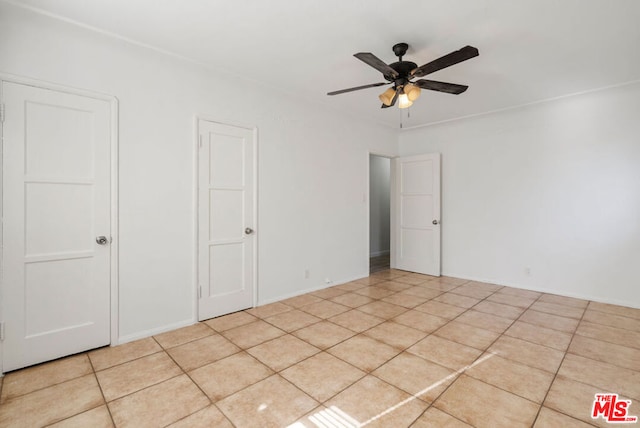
(306, 274)
(527, 271)
(327, 281)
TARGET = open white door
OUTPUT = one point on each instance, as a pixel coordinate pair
(226, 219)
(56, 228)
(416, 222)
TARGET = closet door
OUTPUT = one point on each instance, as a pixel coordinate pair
(226, 219)
(56, 228)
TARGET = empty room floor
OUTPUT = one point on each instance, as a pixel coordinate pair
(395, 349)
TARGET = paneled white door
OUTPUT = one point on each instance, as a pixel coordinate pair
(226, 219)
(417, 213)
(56, 201)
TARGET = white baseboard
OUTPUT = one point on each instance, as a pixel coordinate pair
(310, 290)
(191, 321)
(152, 332)
(547, 290)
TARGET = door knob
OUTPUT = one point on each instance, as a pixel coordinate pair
(435, 222)
(102, 240)
(248, 231)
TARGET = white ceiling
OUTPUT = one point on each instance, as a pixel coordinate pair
(530, 50)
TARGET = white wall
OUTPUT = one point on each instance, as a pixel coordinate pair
(379, 209)
(552, 187)
(312, 174)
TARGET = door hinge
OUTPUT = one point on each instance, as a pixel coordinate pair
(200, 292)
(2, 331)
(200, 140)
(1, 113)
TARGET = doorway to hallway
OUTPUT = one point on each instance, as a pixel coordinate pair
(379, 212)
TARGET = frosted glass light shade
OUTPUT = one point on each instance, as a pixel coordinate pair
(412, 91)
(404, 101)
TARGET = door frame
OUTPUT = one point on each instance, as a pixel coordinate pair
(195, 196)
(114, 190)
(367, 204)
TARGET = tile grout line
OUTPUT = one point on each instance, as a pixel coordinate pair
(405, 350)
(184, 372)
(328, 353)
(366, 373)
(529, 323)
(612, 313)
(575, 333)
(304, 359)
(459, 374)
(615, 315)
(524, 340)
(479, 356)
(300, 308)
(95, 375)
(93, 372)
(43, 364)
(129, 361)
(514, 361)
(211, 403)
(363, 332)
(564, 355)
(273, 372)
(609, 326)
(322, 403)
(162, 350)
(240, 350)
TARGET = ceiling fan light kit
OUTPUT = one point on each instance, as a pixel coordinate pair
(401, 73)
(387, 96)
(404, 101)
(412, 91)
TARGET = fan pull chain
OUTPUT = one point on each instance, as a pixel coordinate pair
(408, 115)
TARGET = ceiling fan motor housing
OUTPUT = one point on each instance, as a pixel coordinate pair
(404, 70)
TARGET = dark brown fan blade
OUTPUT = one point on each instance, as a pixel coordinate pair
(357, 88)
(449, 88)
(448, 60)
(375, 62)
(393, 100)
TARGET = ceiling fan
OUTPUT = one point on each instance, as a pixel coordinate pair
(401, 73)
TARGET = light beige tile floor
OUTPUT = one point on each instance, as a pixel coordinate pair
(395, 349)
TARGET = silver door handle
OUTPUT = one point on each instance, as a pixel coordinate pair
(102, 240)
(435, 222)
(248, 231)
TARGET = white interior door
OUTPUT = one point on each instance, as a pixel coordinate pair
(56, 200)
(417, 214)
(226, 219)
